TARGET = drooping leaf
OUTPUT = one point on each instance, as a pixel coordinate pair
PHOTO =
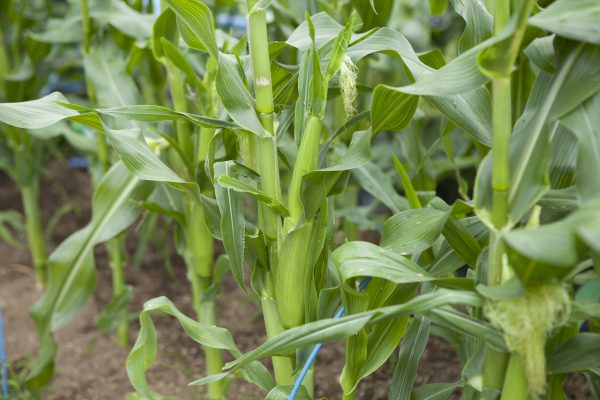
(332, 329)
(551, 251)
(356, 259)
(36, 114)
(144, 351)
(478, 23)
(72, 274)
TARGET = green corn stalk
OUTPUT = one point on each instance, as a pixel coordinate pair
(264, 154)
(265, 148)
(496, 363)
(424, 242)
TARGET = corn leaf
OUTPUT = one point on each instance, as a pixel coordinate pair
(372, 179)
(232, 183)
(331, 329)
(435, 391)
(152, 113)
(356, 259)
(576, 79)
(199, 20)
(318, 184)
(144, 352)
(553, 250)
(574, 19)
(36, 114)
(105, 70)
(72, 276)
(478, 21)
(235, 97)
(470, 108)
(412, 231)
(579, 353)
(411, 349)
(391, 109)
(233, 224)
(283, 393)
(585, 123)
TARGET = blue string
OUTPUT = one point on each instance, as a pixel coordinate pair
(3, 357)
(315, 351)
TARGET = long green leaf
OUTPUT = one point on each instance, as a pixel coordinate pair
(577, 354)
(576, 79)
(72, 274)
(575, 19)
(144, 352)
(233, 223)
(405, 371)
(412, 231)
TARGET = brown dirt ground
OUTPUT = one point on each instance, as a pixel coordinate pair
(90, 365)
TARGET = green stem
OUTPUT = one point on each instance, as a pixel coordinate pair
(495, 361)
(199, 239)
(502, 124)
(206, 135)
(87, 25)
(267, 162)
(259, 54)
(35, 235)
(350, 396)
(177, 86)
(4, 65)
(206, 314)
(199, 261)
(115, 251)
(502, 118)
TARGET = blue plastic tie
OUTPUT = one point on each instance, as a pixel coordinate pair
(315, 351)
(3, 358)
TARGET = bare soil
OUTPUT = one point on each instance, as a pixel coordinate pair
(90, 364)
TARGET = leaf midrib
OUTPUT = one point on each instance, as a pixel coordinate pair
(91, 239)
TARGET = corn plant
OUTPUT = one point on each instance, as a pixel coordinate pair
(23, 72)
(269, 148)
(102, 84)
